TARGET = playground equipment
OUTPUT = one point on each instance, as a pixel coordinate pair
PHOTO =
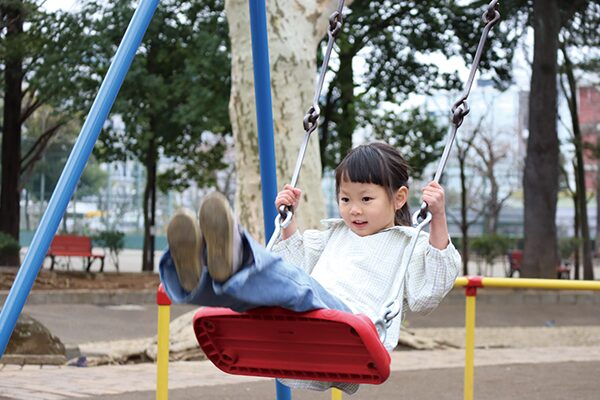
(238, 351)
(101, 107)
(471, 285)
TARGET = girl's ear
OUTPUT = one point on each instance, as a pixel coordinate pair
(401, 197)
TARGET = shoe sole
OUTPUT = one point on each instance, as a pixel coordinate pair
(216, 220)
(184, 238)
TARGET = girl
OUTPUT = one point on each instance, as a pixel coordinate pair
(349, 266)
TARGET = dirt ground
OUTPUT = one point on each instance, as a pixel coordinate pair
(63, 280)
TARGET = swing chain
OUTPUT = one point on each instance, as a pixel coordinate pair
(311, 118)
(460, 109)
(335, 23)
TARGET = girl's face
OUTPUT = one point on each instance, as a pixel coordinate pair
(366, 208)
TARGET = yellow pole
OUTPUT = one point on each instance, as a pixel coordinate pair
(162, 355)
(529, 283)
(336, 394)
(469, 346)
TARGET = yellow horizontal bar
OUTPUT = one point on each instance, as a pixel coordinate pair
(528, 283)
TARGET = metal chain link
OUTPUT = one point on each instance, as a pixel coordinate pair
(311, 119)
(422, 217)
(460, 108)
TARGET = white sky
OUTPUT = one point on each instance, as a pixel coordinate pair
(59, 4)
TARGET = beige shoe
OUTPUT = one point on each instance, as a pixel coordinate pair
(185, 243)
(221, 234)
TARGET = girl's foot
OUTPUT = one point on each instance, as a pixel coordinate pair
(185, 243)
(224, 249)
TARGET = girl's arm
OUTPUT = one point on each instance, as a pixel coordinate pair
(433, 195)
(289, 196)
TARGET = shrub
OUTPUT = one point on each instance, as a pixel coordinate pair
(568, 246)
(491, 246)
(113, 241)
(9, 250)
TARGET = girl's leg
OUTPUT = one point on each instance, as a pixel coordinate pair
(264, 280)
(267, 280)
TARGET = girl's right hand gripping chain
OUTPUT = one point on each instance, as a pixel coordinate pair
(289, 196)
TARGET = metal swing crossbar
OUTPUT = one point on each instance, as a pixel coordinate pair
(327, 345)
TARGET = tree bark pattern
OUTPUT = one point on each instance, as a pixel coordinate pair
(11, 129)
(295, 29)
(540, 180)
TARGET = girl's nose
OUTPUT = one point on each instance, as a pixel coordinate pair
(355, 210)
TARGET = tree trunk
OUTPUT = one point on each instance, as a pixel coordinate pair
(11, 128)
(295, 29)
(588, 268)
(464, 222)
(347, 119)
(540, 179)
(149, 207)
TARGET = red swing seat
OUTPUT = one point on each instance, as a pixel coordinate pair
(325, 345)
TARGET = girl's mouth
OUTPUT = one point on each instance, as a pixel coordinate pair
(359, 223)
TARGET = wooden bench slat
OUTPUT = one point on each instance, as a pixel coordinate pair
(74, 246)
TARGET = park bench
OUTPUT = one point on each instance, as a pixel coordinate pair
(74, 246)
(515, 258)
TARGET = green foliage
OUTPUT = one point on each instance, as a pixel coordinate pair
(491, 246)
(395, 40)
(9, 249)
(113, 241)
(415, 133)
(51, 165)
(174, 100)
(568, 246)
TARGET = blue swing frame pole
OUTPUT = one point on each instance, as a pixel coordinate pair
(264, 117)
(73, 169)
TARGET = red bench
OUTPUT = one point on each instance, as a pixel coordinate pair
(515, 258)
(74, 246)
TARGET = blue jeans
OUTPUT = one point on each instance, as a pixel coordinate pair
(265, 280)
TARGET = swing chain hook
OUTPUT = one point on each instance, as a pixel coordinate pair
(335, 23)
(284, 218)
(311, 118)
(459, 110)
(491, 15)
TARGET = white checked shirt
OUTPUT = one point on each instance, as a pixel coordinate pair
(360, 271)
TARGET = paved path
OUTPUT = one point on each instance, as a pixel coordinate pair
(553, 339)
(63, 383)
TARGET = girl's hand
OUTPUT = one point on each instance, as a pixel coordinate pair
(433, 195)
(289, 196)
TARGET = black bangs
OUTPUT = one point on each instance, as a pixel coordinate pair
(380, 164)
(363, 165)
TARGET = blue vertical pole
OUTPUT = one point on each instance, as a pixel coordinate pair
(264, 117)
(73, 169)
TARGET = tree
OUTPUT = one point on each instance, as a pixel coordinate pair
(173, 102)
(295, 29)
(463, 147)
(41, 179)
(12, 18)
(415, 133)
(490, 154)
(39, 52)
(540, 179)
(393, 41)
(580, 32)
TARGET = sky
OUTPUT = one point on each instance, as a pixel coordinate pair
(59, 4)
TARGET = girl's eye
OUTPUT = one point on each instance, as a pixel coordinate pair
(366, 199)
(344, 199)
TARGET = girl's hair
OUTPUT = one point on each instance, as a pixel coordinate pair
(380, 164)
